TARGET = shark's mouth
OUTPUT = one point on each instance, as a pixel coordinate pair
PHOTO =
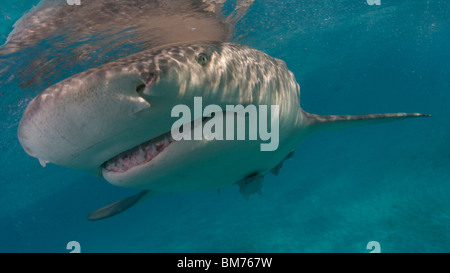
(142, 153)
(139, 155)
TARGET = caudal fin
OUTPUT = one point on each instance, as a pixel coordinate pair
(336, 122)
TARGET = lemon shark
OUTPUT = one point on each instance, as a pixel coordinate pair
(114, 121)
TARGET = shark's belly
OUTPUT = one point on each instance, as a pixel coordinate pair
(223, 164)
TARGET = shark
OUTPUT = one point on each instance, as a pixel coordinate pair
(114, 121)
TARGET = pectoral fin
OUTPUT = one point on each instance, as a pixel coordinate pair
(250, 185)
(120, 206)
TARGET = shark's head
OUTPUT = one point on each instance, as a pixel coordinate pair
(115, 120)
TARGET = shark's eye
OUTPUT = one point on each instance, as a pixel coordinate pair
(140, 88)
(202, 59)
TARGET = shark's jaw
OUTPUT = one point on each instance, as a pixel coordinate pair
(143, 153)
(138, 155)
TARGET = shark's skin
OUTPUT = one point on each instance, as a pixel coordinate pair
(85, 121)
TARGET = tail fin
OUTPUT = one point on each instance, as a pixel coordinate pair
(336, 122)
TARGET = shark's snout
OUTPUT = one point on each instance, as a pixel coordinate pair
(82, 122)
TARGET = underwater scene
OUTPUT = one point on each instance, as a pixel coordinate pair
(87, 89)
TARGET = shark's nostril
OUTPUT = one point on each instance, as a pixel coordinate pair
(143, 87)
(140, 89)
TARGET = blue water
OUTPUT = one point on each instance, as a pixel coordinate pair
(388, 183)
